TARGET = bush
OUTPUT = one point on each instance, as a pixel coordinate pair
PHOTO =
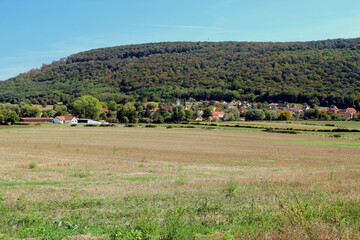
(150, 126)
(231, 188)
(145, 120)
(108, 125)
(280, 131)
(32, 165)
(255, 114)
(90, 125)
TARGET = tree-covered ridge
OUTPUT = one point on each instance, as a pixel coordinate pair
(319, 72)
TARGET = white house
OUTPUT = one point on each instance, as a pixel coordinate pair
(65, 120)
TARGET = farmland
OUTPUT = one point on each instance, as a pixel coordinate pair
(178, 183)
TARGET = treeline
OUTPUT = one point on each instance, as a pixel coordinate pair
(317, 73)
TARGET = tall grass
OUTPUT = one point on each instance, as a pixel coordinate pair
(202, 216)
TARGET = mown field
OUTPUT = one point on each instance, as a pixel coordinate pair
(62, 182)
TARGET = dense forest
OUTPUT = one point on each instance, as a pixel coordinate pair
(318, 73)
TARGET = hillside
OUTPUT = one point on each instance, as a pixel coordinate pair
(319, 72)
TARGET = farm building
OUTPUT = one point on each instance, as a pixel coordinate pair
(34, 119)
(91, 121)
(65, 120)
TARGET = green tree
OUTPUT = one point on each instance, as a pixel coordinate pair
(285, 115)
(12, 117)
(87, 107)
(232, 114)
(178, 114)
(272, 115)
(30, 111)
(59, 111)
(158, 118)
(255, 114)
(112, 105)
(207, 112)
(127, 110)
(152, 105)
(189, 114)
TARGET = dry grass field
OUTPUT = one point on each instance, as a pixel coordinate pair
(167, 183)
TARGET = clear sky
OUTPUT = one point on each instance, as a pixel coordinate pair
(33, 32)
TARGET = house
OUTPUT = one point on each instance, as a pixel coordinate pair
(333, 109)
(200, 118)
(65, 120)
(216, 109)
(218, 114)
(324, 111)
(214, 118)
(34, 119)
(167, 108)
(351, 110)
(104, 110)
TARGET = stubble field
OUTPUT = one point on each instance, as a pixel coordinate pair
(166, 183)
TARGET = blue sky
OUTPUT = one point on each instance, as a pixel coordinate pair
(33, 32)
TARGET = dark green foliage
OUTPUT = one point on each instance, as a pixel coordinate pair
(178, 114)
(321, 72)
(127, 113)
(255, 114)
(87, 107)
(207, 112)
(12, 117)
(285, 116)
(272, 115)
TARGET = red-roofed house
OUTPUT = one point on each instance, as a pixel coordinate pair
(65, 120)
(167, 108)
(351, 110)
(104, 110)
(324, 111)
(219, 114)
(199, 118)
(214, 118)
(242, 110)
(333, 109)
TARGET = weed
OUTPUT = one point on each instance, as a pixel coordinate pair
(81, 174)
(114, 150)
(180, 180)
(332, 176)
(22, 202)
(298, 214)
(231, 188)
(32, 165)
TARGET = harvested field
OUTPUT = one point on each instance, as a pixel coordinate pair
(82, 173)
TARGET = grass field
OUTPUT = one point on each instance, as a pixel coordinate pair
(62, 182)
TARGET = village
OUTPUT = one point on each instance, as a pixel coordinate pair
(207, 110)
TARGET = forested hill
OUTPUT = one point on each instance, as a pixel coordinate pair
(319, 72)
